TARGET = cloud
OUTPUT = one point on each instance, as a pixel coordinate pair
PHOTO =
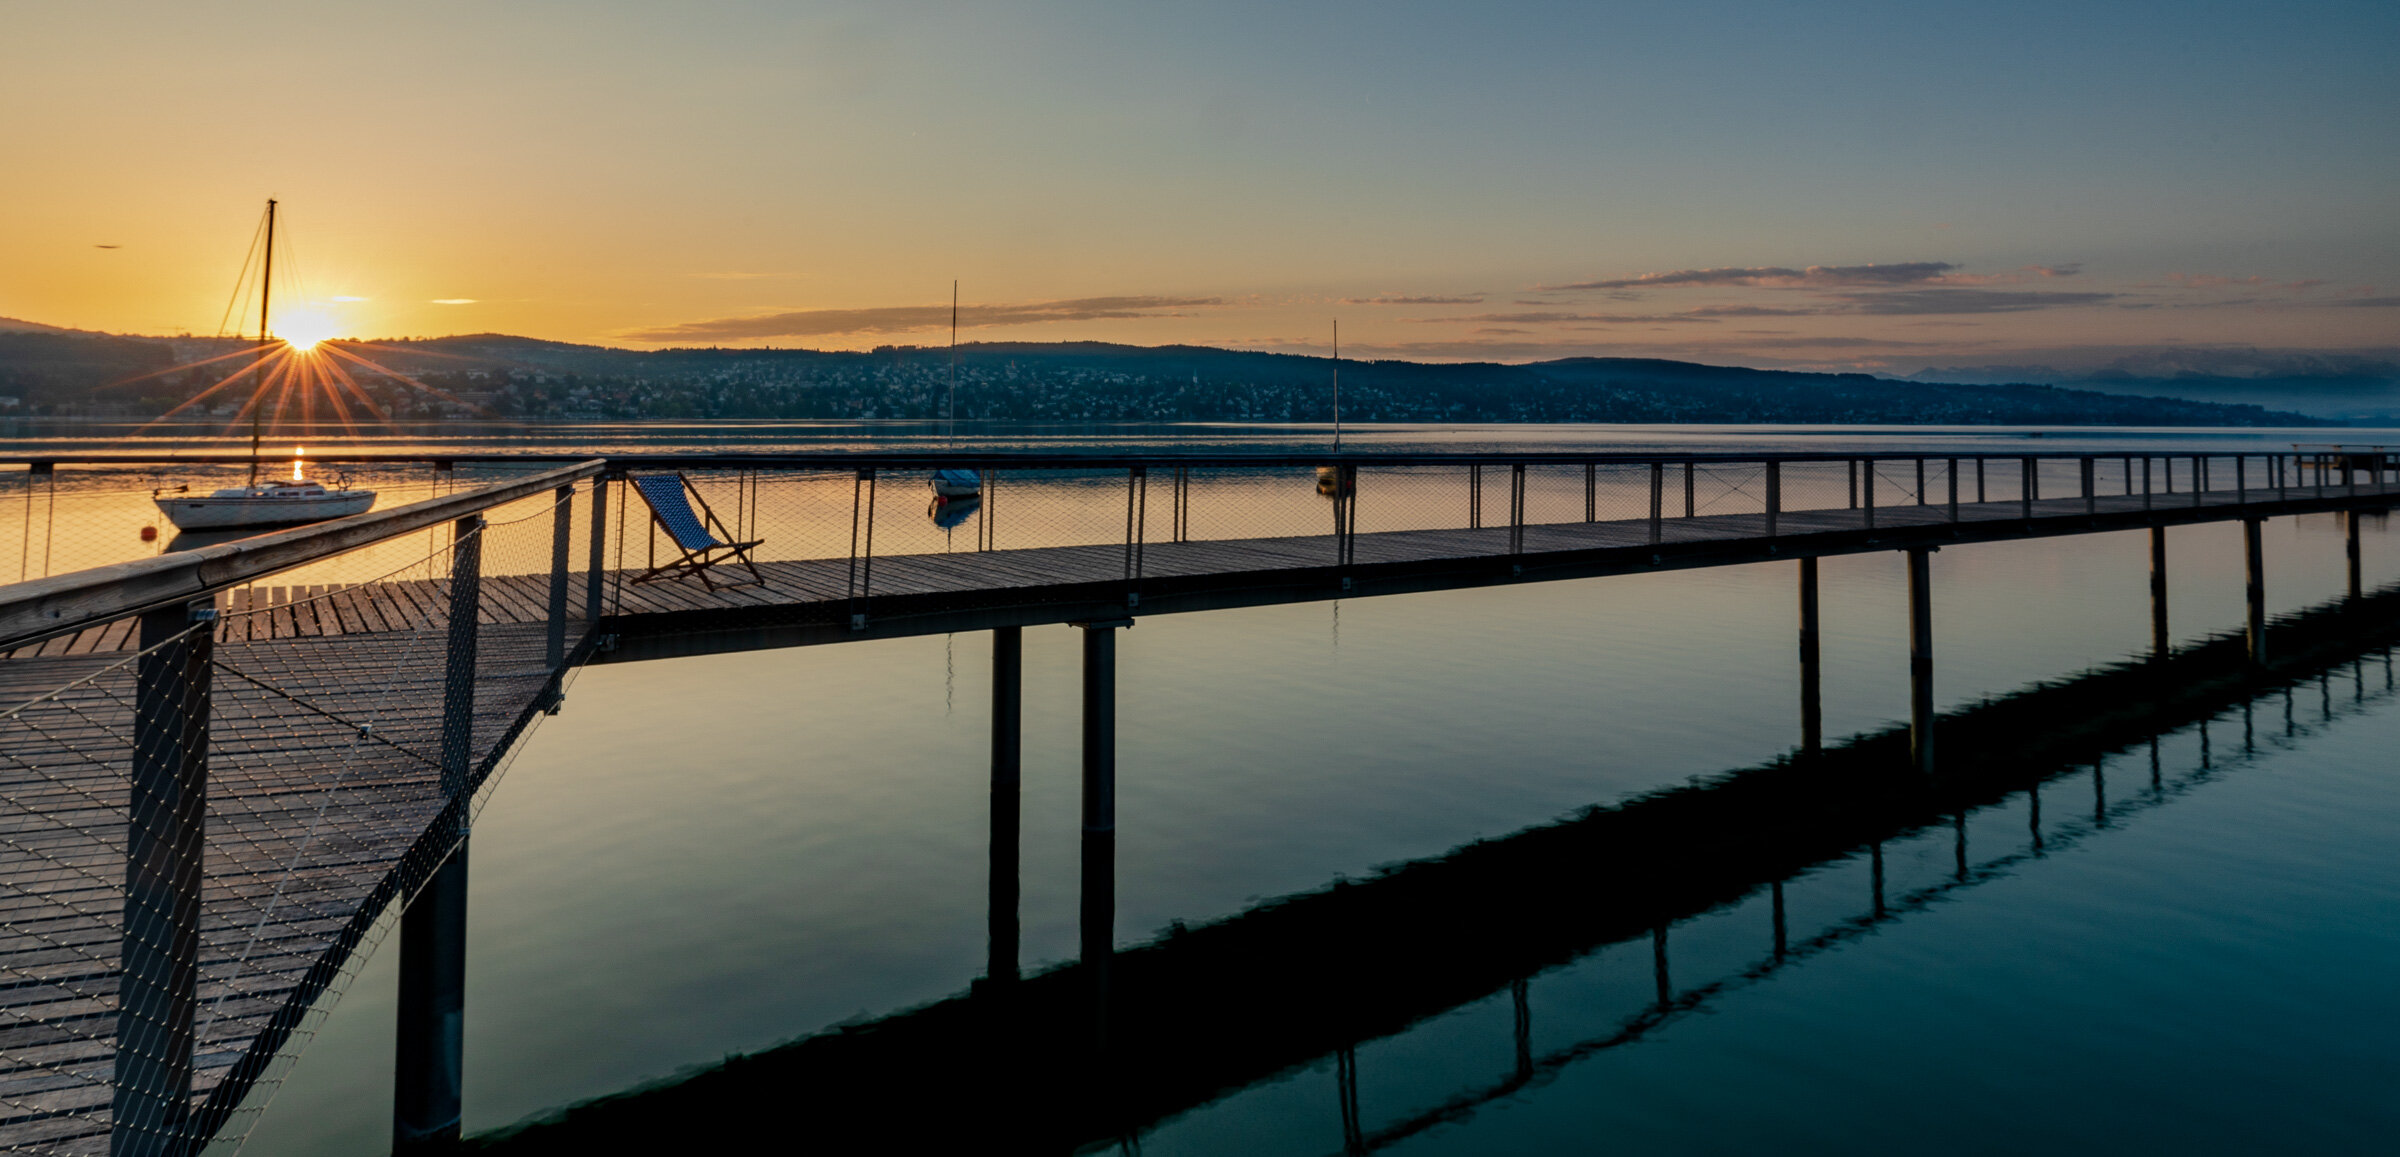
(1947, 300)
(1387, 299)
(1815, 276)
(1498, 329)
(1748, 311)
(1553, 317)
(454, 301)
(2219, 281)
(2017, 276)
(912, 318)
(2368, 302)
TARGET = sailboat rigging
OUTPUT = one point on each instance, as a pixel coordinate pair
(955, 483)
(253, 505)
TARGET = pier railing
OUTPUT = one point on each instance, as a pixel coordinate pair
(217, 781)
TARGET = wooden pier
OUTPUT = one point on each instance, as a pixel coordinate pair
(341, 731)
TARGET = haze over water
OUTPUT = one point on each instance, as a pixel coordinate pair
(710, 855)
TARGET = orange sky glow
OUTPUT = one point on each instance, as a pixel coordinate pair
(1508, 185)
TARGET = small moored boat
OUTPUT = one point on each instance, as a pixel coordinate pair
(956, 483)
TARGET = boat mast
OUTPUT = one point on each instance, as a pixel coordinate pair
(266, 286)
(954, 362)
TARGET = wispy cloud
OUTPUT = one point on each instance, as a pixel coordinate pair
(1559, 317)
(1748, 311)
(1815, 276)
(1390, 299)
(2368, 302)
(1949, 300)
(914, 318)
(2221, 281)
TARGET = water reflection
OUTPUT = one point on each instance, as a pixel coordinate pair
(1289, 983)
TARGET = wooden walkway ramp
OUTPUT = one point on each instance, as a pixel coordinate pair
(324, 776)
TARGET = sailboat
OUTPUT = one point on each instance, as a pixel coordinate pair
(955, 483)
(254, 505)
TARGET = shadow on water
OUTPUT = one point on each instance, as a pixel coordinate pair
(1206, 1011)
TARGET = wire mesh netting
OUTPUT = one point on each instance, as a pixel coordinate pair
(210, 811)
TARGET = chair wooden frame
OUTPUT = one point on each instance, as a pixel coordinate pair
(696, 561)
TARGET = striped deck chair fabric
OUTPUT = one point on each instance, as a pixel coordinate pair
(701, 540)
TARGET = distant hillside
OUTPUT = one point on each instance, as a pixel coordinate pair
(529, 379)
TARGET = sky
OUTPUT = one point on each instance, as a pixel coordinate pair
(1883, 186)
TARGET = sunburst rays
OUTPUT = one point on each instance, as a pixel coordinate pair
(278, 383)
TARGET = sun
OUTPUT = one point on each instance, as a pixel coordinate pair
(303, 330)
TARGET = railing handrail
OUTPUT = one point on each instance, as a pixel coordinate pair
(1118, 459)
(56, 605)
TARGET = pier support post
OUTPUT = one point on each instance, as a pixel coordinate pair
(1920, 658)
(1099, 909)
(2158, 592)
(1008, 701)
(427, 1079)
(157, 995)
(2350, 549)
(1812, 704)
(2254, 590)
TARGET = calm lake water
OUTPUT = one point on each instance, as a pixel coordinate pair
(712, 855)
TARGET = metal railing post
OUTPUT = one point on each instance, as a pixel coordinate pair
(2147, 501)
(596, 578)
(166, 832)
(862, 565)
(562, 517)
(1774, 494)
(1920, 481)
(1951, 468)
(1137, 519)
(1691, 489)
(2027, 487)
(1475, 496)
(1852, 470)
(1979, 492)
(2199, 479)
(1658, 497)
(1516, 508)
(2241, 480)
(1349, 501)
(1591, 492)
(2091, 487)
(1867, 492)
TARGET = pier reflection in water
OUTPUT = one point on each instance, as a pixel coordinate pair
(1232, 788)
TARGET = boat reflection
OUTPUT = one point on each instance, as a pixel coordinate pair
(951, 512)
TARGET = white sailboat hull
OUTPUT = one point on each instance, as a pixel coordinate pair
(227, 512)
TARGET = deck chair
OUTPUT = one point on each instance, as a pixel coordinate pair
(703, 545)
